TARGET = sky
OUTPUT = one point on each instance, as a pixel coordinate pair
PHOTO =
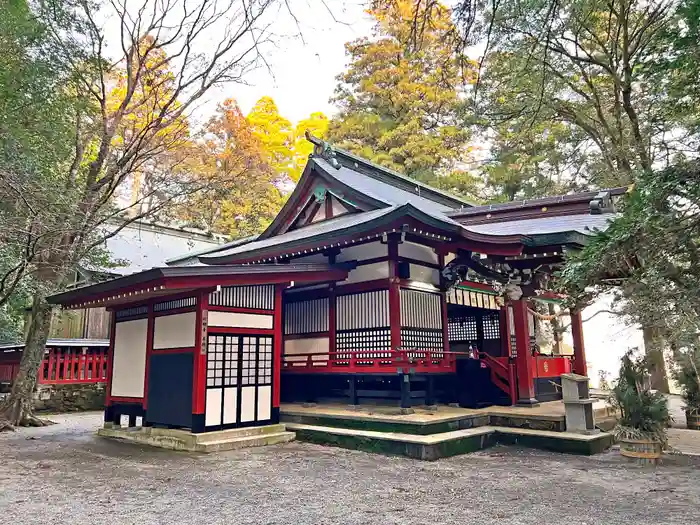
(306, 59)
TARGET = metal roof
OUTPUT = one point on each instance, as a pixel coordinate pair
(378, 190)
(140, 246)
(160, 275)
(59, 342)
(304, 233)
(533, 203)
(584, 224)
(192, 258)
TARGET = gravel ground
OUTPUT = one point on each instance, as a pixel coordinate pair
(64, 474)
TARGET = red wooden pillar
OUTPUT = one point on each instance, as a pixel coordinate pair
(150, 329)
(394, 294)
(524, 362)
(109, 416)
(199, 368)
(580, 366)
(332, 320)
(443, 304)
(277, 345)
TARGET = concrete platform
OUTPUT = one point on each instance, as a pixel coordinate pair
(208, 442)
(445, 444)
(423, 421)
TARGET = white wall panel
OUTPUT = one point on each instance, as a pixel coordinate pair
(368, 272)
(299, 348)
(315, 258)
(264, 402)
(248, 403)
(424, 274)
(361, 252)
(174, 331)
(129, 366)
(230, 401)
(419, 252)
(239, 320)
(212, 414)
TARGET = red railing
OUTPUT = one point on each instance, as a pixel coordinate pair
(74, 365)
(367, 361)
(502, 374)
(8, 371)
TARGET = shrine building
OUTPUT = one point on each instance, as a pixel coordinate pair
(367, 288)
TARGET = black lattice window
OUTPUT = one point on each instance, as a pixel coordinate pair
(215, 360)
(422, 340)
(248, 364)
(376, 343)
(186, 302)
(492, 326)
(264, 361)
(462, 329)
(131, 312)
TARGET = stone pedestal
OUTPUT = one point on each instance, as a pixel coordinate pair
(578, 406)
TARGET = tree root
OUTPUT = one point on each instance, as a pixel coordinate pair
(6, 426)
(26, 420)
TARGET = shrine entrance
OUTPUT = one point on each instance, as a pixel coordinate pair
(239, 381)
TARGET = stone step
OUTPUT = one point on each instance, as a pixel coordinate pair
(445, 444)
(176, 439)
(245, 442)
(382, 423)
(425, 447)
(235, 433)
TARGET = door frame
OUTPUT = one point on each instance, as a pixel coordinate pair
(239, 337)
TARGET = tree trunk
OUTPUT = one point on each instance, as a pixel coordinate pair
(654, 350)
(18, 409)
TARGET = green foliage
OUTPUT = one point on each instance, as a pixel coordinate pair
(648, 255)
(686, 373)
(649, 259)
(585, 93)
(644, 413)
(400, 99)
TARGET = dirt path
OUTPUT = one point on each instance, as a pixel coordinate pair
(65, 475)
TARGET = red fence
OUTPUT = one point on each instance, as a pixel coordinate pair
(372, 362)
(74, 365)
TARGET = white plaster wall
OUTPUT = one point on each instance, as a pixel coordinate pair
(129, 366)
(296, 349)
(418, 252)
(248, 403)
(362, 252)
(264, 402)
(230, 405)
(368, 272)
(174, 331)
(338, 209)
(424, 274)
(212, 414)
(239, 320)
(315, 258)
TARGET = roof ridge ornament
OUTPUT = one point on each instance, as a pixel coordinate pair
(323, 149)
(601, 203)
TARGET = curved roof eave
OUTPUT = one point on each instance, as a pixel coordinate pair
(358, 227)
